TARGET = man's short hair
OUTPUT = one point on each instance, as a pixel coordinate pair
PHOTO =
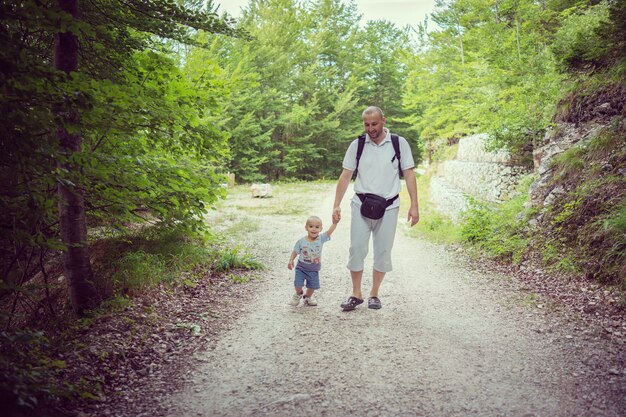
(372, 110)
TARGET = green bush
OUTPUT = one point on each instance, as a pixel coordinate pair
(498, 230)
(28, 378)
(477, 223)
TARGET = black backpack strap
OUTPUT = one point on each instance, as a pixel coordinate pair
(359, 152)
(396, 147)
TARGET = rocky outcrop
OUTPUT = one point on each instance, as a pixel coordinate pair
(488, 176)
(556, 141)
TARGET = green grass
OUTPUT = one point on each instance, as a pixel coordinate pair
(136, 270)
(168, 256)
(233, 258)
(288, 198)
(243, 226)
(568, 163)
(615, 225)
(608, 141)
(617, 219)
(433, 226)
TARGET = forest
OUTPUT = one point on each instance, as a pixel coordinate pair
(124, 112)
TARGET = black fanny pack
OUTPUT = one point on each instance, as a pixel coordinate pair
(374, 206)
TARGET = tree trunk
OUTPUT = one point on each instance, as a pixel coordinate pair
(78, 272)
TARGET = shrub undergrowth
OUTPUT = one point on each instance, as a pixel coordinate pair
(499, 230)
(161, 256)
(28, 374)
(31, 375)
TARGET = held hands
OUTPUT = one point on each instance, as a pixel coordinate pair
(336, 214)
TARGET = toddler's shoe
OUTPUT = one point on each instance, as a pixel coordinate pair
(310, 301)
(295, 299)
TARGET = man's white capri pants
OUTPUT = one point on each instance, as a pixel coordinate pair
(383, 232)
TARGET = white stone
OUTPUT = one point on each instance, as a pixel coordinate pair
(261, 190)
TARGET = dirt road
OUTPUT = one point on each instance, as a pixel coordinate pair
(449, 341)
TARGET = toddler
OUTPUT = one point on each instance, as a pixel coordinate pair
(309, 249)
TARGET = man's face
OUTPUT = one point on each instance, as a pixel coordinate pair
(373, 124)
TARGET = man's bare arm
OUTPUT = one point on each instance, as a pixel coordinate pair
(342, 186)
(411, 187)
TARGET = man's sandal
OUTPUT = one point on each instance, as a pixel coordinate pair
(374, 302)
(351, 303)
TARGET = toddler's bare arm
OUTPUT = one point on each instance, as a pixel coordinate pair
(332, 228)
(291, 259)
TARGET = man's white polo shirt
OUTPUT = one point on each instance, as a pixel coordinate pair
(378, 168)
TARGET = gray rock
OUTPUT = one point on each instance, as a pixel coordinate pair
(552, 195)
(604, 108)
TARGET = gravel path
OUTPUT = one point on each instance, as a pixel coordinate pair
(449, 341)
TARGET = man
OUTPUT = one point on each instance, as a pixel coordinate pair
(377, 174)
